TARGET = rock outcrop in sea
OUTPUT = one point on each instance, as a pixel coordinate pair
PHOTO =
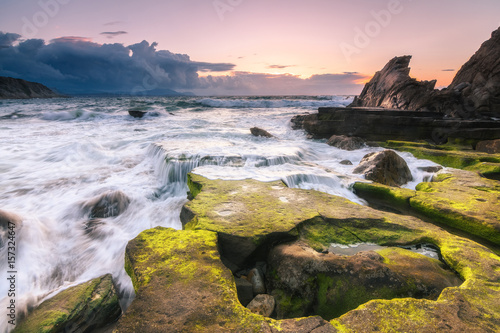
(473, 94)
(394, 106)
(11, 88)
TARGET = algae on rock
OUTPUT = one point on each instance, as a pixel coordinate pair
(82, 308)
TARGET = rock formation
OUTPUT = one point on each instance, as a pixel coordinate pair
(385, 167)
(345, 142)
(83, 308)
(260, 132)
(393, 88)
(182, 285)
(473, 93)
(8, 221)
(108, 204)
(11, 88)
(306, 282)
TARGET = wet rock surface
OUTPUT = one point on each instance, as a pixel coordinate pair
(83, 308)
(346, 143)
(306, 282)
(385, 167)
(108, 204)
(256, 131)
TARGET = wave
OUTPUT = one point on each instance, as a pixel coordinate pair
(335, 101)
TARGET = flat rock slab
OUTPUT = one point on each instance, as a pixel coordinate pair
(458, 198)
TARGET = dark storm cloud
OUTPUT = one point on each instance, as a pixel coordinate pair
(7, 39)
(113, 34)
(77, 65)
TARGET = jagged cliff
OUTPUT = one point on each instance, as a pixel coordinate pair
(474, 92)
(11, 88)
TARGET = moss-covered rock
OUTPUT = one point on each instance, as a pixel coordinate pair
(452, 156)
(82, 308)
(182, 286)
(456, 198)
(251, 211)
(306, 282)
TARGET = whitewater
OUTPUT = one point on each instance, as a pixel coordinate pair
(58, 154)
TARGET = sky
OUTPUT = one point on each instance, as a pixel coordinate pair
(236, 47)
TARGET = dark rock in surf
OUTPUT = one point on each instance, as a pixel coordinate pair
(346, 143)
(83, 308)
(136, 113)
(8, 221)
(346, 162)
(260, 132)
(108, 204)
(385, 167)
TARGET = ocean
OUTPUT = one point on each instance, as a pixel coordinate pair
(57, 154)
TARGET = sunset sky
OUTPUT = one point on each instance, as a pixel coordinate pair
(236, 47)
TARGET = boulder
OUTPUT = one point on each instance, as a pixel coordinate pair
(490, 146)
(245, 290)
(108, 204)
(8, 222)
(346, 143)
(137, 113)
(306, 282)
(257, 280)
(83, 308)
(260, 132)
(263, 305)
(346, 162)
(385, 167)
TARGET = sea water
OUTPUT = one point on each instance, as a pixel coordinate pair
(57, 154)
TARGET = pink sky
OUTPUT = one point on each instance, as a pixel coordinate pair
(298, 38)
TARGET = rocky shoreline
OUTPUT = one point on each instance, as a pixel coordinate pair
(257, 257)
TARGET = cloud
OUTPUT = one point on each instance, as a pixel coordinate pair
(247, 83)
(113, 23)
(113, 34)
(448, 70)
(76, 65)
(7, 39)
(279, 66)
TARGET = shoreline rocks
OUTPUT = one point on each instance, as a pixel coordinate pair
(179, 275)
(83, 308)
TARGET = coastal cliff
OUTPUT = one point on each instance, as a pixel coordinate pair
(11, 88)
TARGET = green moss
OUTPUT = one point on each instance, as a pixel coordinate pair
(453, 156)
(194, 187)
(95, 299)
(399, 197)
(289, 306)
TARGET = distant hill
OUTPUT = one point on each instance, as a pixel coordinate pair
(11, 88)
